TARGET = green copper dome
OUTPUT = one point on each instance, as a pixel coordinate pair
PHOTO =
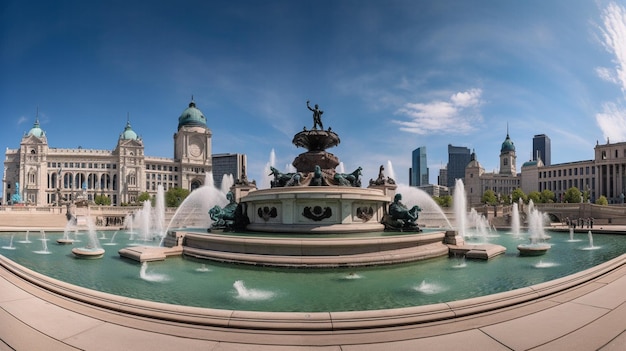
(507, 145)
(128, 133)
(192, 117)
(36, 130)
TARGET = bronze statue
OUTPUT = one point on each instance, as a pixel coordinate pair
(228, 217)
(317, 115)
(400, 217)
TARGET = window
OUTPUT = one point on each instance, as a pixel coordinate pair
(604, 154)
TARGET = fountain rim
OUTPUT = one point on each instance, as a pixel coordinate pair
(342, 192)
(298, 321)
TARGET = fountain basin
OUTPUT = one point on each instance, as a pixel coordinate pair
(312, 252)
(65, 241)
(299, 321)
(311, 209)
(537, 249)
(88, 252)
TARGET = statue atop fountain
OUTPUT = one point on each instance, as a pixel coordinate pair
(400, 217)
(315, 197)
(382, 179)
(317, 115)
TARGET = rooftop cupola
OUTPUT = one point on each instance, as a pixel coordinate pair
(192, 116)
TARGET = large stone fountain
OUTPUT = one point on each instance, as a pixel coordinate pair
(319, 216)
(316, 198)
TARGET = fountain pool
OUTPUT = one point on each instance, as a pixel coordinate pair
(191, 282)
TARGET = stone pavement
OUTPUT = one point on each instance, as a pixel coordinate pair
(589, 316)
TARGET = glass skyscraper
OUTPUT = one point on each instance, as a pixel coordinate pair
(458, 158)
(541, 146)
(419, 167)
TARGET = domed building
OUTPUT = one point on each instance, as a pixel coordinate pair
(47, 175)
(502, 183)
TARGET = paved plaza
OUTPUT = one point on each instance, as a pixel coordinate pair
(586, 316)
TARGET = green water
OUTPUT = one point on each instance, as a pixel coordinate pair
(192, 282)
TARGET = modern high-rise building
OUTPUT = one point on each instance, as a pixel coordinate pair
(541, 147)
(419, 170)
(458, 158)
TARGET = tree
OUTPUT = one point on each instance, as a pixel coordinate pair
(175, 196)
(443, 201)
(143, 197)
(602, 201)
(102, 200)
(547, 196)
(535, 196)
(519, 194)
(489, 197)
(572, 195)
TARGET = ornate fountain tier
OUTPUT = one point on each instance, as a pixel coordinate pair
(310, 210)
(306, 162)
(316, 140)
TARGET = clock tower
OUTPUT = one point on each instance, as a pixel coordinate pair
(192, 147)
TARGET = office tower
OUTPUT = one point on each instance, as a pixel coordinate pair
(541, 146)
(458, 158)
(419, 169)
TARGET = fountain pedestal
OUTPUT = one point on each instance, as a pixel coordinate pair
(323, 209)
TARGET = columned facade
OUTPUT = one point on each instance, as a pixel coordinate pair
(42, 175)
(610, 165)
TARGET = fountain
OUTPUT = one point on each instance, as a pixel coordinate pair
(25, 241)
(515, 222)
(480, 226)
(151, 276)
(10, 247)
(537, 235)
(460, 207)
(591, 245)
(112, 242)
(44, 243)
(244, 293)
(93, 249)
(313, 198)
(238, 291)
(66, 240)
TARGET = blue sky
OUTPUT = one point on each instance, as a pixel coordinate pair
(390, 76)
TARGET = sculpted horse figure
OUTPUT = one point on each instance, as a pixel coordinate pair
(225, 216)
(349, 179)
(401, 215)
(284, 179)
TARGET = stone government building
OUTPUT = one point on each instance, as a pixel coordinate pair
(48, 176)
(605, 175)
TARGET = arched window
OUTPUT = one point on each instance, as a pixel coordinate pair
(195, 184)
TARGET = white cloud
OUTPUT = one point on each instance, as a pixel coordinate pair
(21, 120)
(612, 119)
(467, 98)
(614, 40)
(612, 122)
(458, 115)
(606, 74)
